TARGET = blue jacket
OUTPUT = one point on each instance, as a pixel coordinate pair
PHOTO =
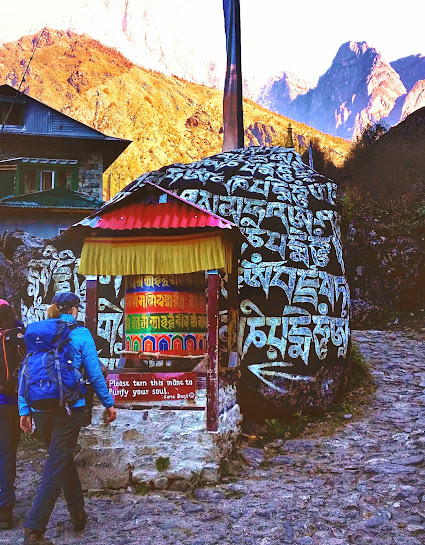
(85, 357)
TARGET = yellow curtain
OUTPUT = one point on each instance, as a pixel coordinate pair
(155, 255)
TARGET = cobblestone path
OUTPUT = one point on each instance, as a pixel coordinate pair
(363, 485)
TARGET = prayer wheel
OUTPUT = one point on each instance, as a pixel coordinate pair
(166, 314)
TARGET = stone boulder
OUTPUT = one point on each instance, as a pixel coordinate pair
(16, 250)
(293, 297)
(12, 241)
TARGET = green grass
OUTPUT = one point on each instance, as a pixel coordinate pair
(141, 489)
(162, 463)
(197, 480)
(31, 441)
(289, 427)
(360, 375)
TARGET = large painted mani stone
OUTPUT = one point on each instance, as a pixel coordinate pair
(294, 332)
(166, 314)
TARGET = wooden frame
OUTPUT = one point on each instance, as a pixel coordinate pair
(212, 353)
(212, 374)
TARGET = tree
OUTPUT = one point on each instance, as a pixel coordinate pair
(371, 134)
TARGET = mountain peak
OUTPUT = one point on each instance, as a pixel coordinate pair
(355, 50)
(281, 90)
(359, 47)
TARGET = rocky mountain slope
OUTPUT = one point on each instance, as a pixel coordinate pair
(358, 89)
(146, 32)
(281, 90)
(415, 99)
(410, 69)
(167, 118)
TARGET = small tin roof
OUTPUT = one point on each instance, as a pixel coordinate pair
(152, 207)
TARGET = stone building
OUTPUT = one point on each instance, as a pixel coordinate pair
(43, 150)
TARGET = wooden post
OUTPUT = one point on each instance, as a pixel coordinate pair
(91, 305)
(232, 314)
(212, 365)
(91, 324)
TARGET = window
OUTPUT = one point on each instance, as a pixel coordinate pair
(35, 179)
(7, 182)
(30, 180)
(47, 179)
(14, 115)
(63, 178)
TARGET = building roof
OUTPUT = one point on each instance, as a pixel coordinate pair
(153, 207)
(39, 161)
(57, 198)
(57, 125)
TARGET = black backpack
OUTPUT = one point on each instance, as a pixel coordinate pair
(12, 352)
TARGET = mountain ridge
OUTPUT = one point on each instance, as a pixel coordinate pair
(359, 88)
(168, 118)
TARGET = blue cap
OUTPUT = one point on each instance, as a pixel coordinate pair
(65, 300)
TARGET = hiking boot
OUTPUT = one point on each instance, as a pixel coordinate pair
(6, 518)
(79, 519)
(34, 537)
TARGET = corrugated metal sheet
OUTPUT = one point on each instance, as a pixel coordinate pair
(169, 215)
(59, 197)
(62, 124)
(37, 118)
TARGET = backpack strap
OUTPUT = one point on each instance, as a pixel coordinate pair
(3, 346)
(22, 376)
(59, 374)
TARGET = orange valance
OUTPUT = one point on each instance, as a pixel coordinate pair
(119, 256)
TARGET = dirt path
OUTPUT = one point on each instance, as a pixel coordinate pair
(363, 485)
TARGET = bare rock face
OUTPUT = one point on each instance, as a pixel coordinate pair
(16, 250)
(281, 90)
(260, 134)
(7, 290)
(359, 88)
(199, 119)
(12, 241)
(384, 272)
(414, 100)
(410, 69)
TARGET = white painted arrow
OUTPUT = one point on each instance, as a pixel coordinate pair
(263, 370)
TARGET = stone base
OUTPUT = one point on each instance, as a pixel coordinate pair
(127, 451)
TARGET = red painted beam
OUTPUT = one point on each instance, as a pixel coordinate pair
(212, 353)
(91, 305)
(91, 324)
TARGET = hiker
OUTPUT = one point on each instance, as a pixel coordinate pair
(57, 407)
(12, 350)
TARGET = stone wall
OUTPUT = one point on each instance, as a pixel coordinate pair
(90, 173)
(126, 452)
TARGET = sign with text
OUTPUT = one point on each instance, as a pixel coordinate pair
(151, 386)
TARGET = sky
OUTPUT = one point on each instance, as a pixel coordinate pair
(301, 37)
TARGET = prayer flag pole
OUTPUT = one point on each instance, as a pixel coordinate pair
(233, 137)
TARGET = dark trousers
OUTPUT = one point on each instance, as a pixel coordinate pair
(9, 439)
(60, 433)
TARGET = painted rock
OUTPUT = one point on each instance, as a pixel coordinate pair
(294, 299)
(294, 332)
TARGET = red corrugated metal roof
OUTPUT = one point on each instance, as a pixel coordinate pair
(168, 215)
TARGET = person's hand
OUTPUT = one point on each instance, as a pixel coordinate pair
(110, 415)
(26, 423)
